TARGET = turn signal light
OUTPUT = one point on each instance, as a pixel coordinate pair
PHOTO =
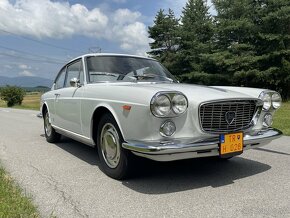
(126, 107)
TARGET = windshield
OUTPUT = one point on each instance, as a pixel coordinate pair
(126, 69)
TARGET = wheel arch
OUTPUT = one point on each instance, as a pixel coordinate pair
(96, 117)
(44, 108)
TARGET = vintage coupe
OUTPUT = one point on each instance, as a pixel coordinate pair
(128, 105)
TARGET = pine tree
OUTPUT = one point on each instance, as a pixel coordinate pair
(234, 52)
(246, 44)
(273, 45)
(252, 43)
(164, 32)
(196, 35)
(156, 32)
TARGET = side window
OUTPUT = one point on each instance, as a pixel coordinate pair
(60, 79)
(73, 71)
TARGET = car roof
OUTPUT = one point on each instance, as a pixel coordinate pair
(109, 54)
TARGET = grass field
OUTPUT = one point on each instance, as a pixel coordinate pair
(282, 118)
(12, 202)
(30, 101)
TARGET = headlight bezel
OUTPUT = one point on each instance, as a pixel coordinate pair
(170, 96)
(269, 105)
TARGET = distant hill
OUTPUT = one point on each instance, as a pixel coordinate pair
(37, 89)
(25, 81)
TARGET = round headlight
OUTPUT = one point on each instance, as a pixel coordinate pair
(179, 104)
(276, 100)
(266, 98)
(161, 105)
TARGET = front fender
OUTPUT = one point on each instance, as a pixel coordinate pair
(112, 111)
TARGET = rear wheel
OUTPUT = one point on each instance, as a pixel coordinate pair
(114, 159)
(50, 134)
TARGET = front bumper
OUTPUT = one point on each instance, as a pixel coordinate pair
(196, 147)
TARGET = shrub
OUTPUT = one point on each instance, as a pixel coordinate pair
(12, 95)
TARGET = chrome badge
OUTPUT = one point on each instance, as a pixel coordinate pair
(230, 116)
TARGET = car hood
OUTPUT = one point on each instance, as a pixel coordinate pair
(142, 92)
(196, 93)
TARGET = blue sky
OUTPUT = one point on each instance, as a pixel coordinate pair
(38, 36)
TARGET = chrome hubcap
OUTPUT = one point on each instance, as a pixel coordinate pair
(47, 125)
(110, 145)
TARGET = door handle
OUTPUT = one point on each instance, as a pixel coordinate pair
(56, 94)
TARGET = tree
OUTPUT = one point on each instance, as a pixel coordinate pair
(196, 42)
(235, 32)
(273, 45)
(252, 43)
(164, 32)
(245, 44)
(12, 95)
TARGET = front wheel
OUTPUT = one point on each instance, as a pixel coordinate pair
(114, 159)
(50, 134)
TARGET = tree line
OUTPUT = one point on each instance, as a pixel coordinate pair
(246, 43)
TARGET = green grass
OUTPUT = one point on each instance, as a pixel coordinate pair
(282, 118)
(12, 201)
(31, 101)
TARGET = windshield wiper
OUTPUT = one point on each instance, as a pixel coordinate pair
(134, 77)
(104, 74)
(144, 76)
(151, 76)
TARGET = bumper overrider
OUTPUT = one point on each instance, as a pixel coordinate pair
(195, 147)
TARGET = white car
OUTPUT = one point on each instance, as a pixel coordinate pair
(129, 105)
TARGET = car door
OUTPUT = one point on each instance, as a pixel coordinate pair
(57, 85)
(68, 99)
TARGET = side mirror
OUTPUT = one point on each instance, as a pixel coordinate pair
(74, 82)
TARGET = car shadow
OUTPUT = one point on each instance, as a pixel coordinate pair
(161, 178)
(151, 177)
(79, 150)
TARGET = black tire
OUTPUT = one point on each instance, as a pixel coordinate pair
(50, 134)
(108, 132)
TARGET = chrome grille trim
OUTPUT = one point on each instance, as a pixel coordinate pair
(212, 115)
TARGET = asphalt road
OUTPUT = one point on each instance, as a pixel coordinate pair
(64, 179)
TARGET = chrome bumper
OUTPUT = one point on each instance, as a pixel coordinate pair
(194, 148)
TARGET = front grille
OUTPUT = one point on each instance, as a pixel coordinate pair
(213, 115)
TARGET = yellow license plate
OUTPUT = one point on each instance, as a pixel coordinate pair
(231, 144)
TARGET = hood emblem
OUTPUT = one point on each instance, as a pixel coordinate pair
(230, 116)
